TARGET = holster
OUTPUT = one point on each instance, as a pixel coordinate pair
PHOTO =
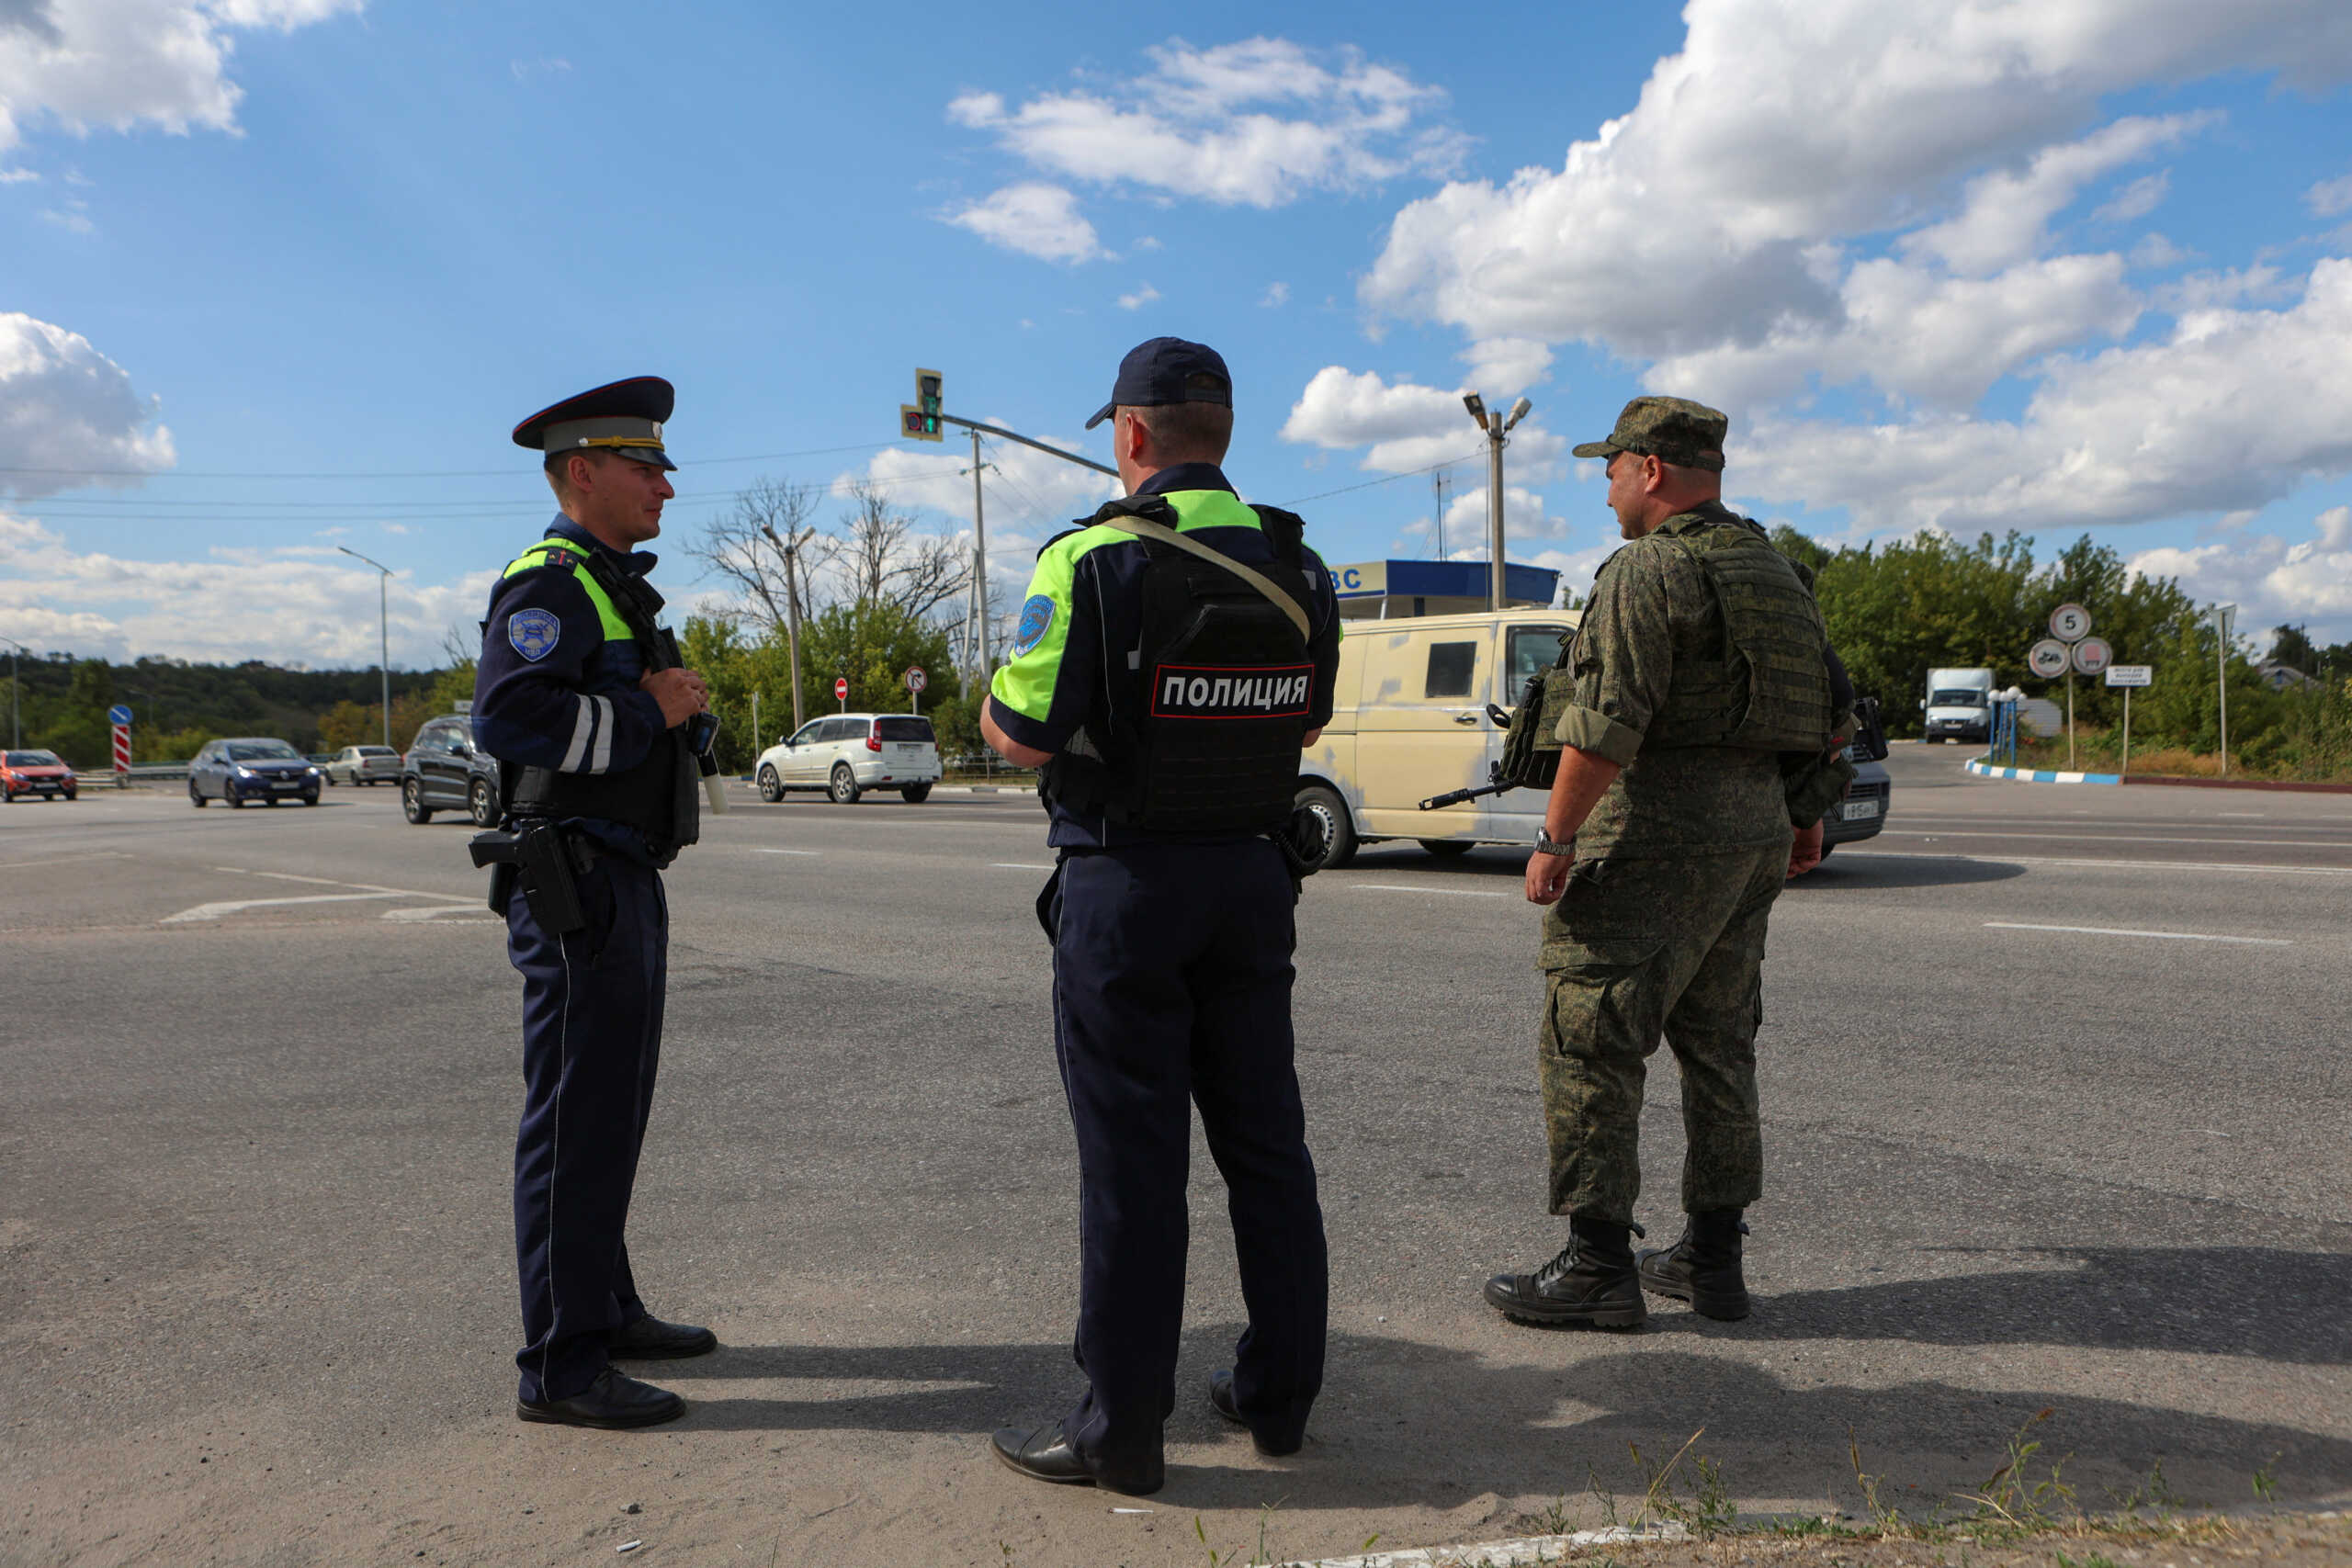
(544, 861)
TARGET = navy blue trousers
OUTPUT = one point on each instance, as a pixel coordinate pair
(1171, 987)
(591, 1038)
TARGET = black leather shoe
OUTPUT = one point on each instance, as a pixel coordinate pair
(1046, 1455)
(614, 1400)
(1221, 1400)
(651, 1339)
(1591, 1284)
(1701, 1266)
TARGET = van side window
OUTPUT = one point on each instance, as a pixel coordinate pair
(1532, 650)
(1449, 667)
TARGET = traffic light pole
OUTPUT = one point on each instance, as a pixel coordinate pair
(1015, 436)
(979, 553)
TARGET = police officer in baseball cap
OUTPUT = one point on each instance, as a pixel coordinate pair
(1176, 650)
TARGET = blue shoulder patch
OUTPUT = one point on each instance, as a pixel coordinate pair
(533, 633)
(1037, 619)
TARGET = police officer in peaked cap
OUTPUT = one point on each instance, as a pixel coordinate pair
(579, 696)
(1175, 652)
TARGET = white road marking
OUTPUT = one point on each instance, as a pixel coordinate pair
(2112, 930)
(408, 917)
(2128, 865)
(64, 860)
(1406, 887)
(762, 849)
(234, 906)
(1016, 866)
(2122, 838)
(2240, 814)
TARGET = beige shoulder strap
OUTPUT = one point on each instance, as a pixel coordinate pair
(1145, 528)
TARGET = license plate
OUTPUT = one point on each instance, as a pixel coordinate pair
(1857, 809)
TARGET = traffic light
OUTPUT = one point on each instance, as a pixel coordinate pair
(918, 420)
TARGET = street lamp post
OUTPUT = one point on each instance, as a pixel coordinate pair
(1497, 426)
(16, 693)
(384, 635)
(2223, 614)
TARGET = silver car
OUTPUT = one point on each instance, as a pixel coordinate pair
(364, 765)
(849, 754)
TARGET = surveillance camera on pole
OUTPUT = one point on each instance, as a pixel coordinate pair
(1495, 425)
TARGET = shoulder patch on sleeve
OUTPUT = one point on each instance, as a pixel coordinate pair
(1037, 619)
(533, 633)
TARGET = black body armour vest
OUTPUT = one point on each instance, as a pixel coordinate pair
(1204, 733)
(659, 796)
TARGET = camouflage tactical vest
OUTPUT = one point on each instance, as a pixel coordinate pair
(1768, 689)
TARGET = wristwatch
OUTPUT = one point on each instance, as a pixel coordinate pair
(1547, 845)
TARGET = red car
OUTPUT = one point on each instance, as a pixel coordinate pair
(34, 773)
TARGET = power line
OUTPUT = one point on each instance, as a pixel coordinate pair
(1392, 478)
(411, 474)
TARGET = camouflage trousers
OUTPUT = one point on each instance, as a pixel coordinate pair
(1637, 949)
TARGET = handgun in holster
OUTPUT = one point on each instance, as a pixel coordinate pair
(540, 858)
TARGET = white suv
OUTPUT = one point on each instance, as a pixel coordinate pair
(848, 753)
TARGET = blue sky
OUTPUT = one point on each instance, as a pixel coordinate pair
(2082, 266)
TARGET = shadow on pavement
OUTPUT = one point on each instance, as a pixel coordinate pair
(1886, 868)
(1407, 1423)
(2215, 1301)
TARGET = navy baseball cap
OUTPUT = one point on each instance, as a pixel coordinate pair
(1168, 370)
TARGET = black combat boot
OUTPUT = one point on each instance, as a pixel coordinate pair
(1702, 1266)
(1591, 1284)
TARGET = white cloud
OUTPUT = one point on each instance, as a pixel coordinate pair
(1276, 294)
(84, 65)
(2006, 216)
(1139, 298)
(1148, 242)
(1206, 123)
(1036, 220)
(2271, 581)
(2330, 198)
(1783, 126)
(1506, 367)
(69, 414)
(545, 66)
(2155, 251)
(2137, 199)
(18, 177)
(1407, 425)
(1524, 518)
(304, 602)
(2195, 423)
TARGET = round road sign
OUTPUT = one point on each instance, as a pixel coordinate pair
(916, 679)
(118, 714)
(2092, 656)
(840, 688)
(2070, 622)
(2047, 659)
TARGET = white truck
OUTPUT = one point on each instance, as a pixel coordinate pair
(1958, 705)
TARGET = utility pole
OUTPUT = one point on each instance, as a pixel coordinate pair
(384, 635)
(791, 554)
(1496, 426)
(979, 558)
(16, 693)
(2222, 616)
(1437, 484)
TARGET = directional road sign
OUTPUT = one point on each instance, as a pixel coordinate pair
(916, 679)
(2070, 622)
(2130, 675)
(118, 714)
(2092, 655)
(2047, 659)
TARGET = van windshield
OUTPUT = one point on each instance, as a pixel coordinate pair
(902, 728)
(1957, 697)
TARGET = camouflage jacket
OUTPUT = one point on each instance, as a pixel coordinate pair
(1651, 604)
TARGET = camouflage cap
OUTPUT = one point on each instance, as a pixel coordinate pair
(1672, 430)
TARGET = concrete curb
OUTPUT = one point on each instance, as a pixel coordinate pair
(1983, 769)
(1521, 1553)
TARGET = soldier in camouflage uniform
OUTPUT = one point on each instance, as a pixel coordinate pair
(1700, 666)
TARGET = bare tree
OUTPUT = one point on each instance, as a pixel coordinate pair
(757, 546)
(881, 558)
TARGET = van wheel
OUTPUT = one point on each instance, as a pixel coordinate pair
(1447, 848)
(1332, 824)
(916, 793)
(413, 805)
(482, 805)
(771, 786)
(844, 791)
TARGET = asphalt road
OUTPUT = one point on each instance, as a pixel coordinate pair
(2056, 1096)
